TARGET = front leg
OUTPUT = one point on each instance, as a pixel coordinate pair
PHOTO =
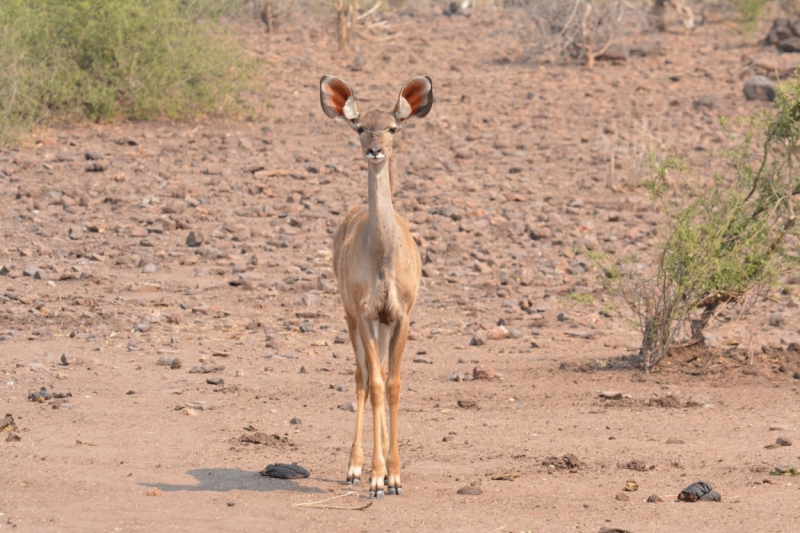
(396, 347)
(368, 332)
(356, 452)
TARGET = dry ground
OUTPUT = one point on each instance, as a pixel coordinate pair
(518, 164)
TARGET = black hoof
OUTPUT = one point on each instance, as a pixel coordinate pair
(378, 495)
(399, 491)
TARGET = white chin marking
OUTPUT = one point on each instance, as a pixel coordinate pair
(376, 158)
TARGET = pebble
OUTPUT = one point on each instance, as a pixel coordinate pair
(306, 327)
(206, 369)
(759, 88)
(631, 486)
(479, 339)
(777, 320)
(348, 406)
(295, 421)
(458, 375)
(482, 372)
(655, 498)
(423, 360)
(497, 333)
(149, 268)
(62, 375)
(621, 496)
(611, 395)
(783, 441)
(471, 490)
(215, 381)
(194, 239)
(154, 492)
(34, 272)
(231, 504)
(173, 363)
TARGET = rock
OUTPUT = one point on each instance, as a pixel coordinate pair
(206, 369)
(482, 372)
(194, 239)
(777, 320)
(673, 440)
(149, 268)
(215, 381)
(154, 492)
(784, 469)
(497, 333)
(458, 375)
(472, 490)
(273, 440)
(666, 401)
(4, 270)
(7, 424)
(611, 395)
(173, 363)
(778, 427)
(468, 404)
(615, 52)
(699, 491)
(639, 466)
(783, 441)
(479, 339)
(62, 375)
(75, 233)
(94, 155)
(34, 272)
(621, 496)
(568, 461)
(707, 101)
(311, 299)
(423, 360)
(295, 421)
(95, 166)
(515, 333)
(306, 327)
(61, 404)
(285, 471)
(655, 498)
(348, 406)
(13, 437)
(759, 88)
(631, 486)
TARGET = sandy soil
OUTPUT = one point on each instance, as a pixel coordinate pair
(518, 165)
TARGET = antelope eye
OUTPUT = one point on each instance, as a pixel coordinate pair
(392, 130)
(360, 130)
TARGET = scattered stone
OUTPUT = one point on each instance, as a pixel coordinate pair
(784, 441)
(479, 339)
(666, 401)
(95, 166)
(34, 272)
(295, 421)
(511, 476)
(784, 469)
(655, 498)
(7, 424)
(468, 404)
(258, 437)
(306, 327)
(194, 239)
(777, 320)
(778, 427)
(707, 101)
(231, 504)
(154, 492)
(94, 155)
(172, 362)
(569, 461)
(62, 375)
(621, 496)
(149, 268)
(75, 233)
(615, 52)
(458, 376)
(674, 440)
(497, 333)
(285, 471)
(699, 491)
(759, 88)
(4, 270)
(639, 466)
(215, 381)
(611, 395)
(471, 490)
(206, 369)
(13, 437)
(631, 486)
(482, 372)
(348, 406)
(62, 404)
(423, 360)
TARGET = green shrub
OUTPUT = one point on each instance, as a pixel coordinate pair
(108, 59)
(725, 240)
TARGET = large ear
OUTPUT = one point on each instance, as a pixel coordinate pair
(415, 100)
(337, 99)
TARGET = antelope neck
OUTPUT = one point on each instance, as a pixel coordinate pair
(383, 233)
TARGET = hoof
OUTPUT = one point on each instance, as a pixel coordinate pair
(399, 491)
(395, 491)
(377, 494)
(355, 482)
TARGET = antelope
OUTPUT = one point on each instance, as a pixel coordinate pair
(378, 269)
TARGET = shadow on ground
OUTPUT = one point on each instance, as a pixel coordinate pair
(227, 479)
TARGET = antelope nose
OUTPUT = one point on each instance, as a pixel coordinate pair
(373, 152)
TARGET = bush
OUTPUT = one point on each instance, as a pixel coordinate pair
(108, 59)
(726, 240)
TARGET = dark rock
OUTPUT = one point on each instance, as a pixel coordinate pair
(707, 101)
(615, 52)
(482, 372)
(700, 491)
(206, 369)
(273, 441)
(759, 88)
(215, 381)
(295, 421)
(194, 239)
(655, 498)
(348, 406)
(621, 496)
(479, 339)
(472, 490)
(94, 155)
(468, 404)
